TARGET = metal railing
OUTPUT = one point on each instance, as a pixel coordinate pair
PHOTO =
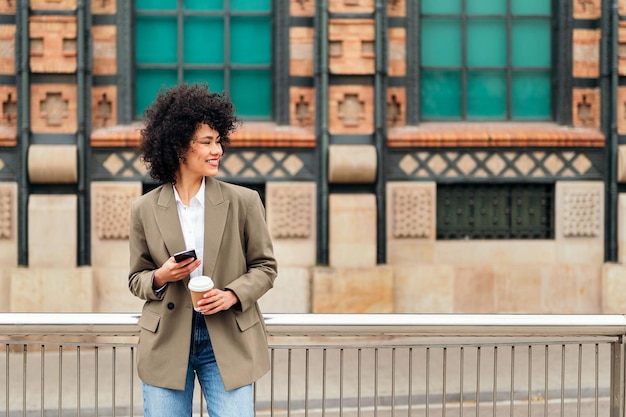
(339, 365)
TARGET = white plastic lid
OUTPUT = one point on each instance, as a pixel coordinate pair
(201, 283)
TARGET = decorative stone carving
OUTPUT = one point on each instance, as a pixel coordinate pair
(53, 44)
(103, 6)
(352, 46)
(412, 213)
(351, 109)
(53, 108)
(587, 9)
(104, 106)
(302, 7)
(586, 107)
(6, 205)
(396, 106)
(9, 107)
(292, 208)
(7, 6)
(582, 213)
(302, 106)
(53, 4)
(112, 216)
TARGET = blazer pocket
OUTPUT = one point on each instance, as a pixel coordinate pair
(247, 319)
(149, 321)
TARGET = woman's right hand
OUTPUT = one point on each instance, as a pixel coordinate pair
(172, 271)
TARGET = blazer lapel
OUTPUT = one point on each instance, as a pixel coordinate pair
(167, 220)
(215, 214)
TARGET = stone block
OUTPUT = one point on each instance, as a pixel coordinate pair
(571, 289)
(292, 221)
(349, 164)
(621, 7)
(52, 44)
(103, 106)
(5, 290)
(613, 289)
(301, 51)
(423, 289)
(7, 49)
(411, 212)
(352, 230)
(518, 288)
(352, 46)
(353, 290)
(54, 290)
(104, 50)
(621, 228)
(111, 293)
(53, 108)
(586, 53)
(487, 252)
(410, 251)
(8, 224)
(586, 107)
(579, 208)
(291, 292)
(52, 164)
(302, 107)
(351, 109)
(474, 289)
(397, 52)
(52, 231)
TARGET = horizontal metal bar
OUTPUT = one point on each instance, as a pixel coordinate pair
(125, 324)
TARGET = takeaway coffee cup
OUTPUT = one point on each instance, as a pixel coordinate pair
(197, 287)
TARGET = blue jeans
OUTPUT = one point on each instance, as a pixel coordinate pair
(164, 402)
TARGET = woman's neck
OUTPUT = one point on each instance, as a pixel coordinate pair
(187, 188)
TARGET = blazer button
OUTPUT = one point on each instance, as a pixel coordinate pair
(170, 306)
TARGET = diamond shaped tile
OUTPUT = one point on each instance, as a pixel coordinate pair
(582, 164)
(553, 164)
(466, 164)
(437, 164)
(408, 164)
(495, 164)
(264, 164)
(233, 164)
(113, 164)
(525, 164)
(293, 164)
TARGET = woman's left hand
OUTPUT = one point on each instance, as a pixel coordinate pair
(214, 301)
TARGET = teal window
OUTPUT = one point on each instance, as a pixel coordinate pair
(485, 60)
(226, 43)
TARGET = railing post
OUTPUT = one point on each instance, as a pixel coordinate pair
(617, 378)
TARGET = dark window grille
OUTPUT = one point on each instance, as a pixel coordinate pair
(495, 211)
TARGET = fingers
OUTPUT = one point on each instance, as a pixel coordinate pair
(215, 301)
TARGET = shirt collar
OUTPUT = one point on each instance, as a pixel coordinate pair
(199, 195)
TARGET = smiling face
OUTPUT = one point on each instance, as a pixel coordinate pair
(204, 153)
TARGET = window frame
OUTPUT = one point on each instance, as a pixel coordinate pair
(278, 67)
(561, 70)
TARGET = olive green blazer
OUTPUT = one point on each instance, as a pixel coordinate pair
(238, 255)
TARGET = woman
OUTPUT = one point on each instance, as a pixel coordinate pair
(224, 342)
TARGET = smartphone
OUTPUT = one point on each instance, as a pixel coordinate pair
(184, 255)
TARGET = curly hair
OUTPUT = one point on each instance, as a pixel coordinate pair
(172, 119)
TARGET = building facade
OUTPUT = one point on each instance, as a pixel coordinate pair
(413, 155)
